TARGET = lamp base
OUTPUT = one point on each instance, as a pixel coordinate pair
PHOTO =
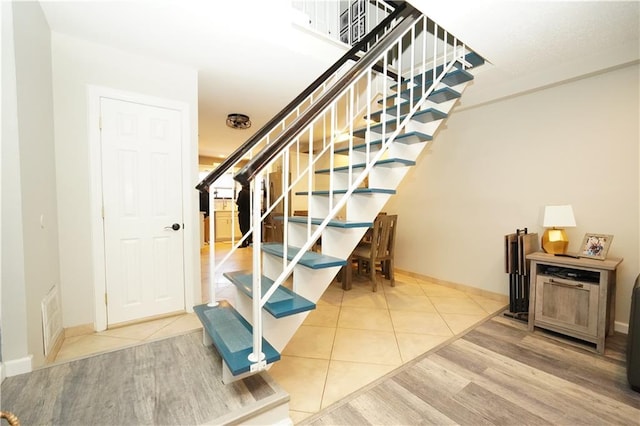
(555, 241)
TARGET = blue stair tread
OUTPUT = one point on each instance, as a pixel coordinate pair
(424, 116)
(453, 78)
(474, 59)
(309, 259)
(389, 162)
(405, 107)
(391, 125)
(428, 115)
(244, 281)
(356, 191)
(405, 138)
(232, 336)
(438, 96)
(282, 303)
(334, 223)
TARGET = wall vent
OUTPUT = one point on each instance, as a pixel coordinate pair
(51, 319)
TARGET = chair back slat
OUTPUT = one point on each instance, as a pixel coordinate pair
(384, 229)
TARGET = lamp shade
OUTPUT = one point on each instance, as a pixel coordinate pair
(558, 217)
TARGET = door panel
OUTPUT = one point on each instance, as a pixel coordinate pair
(142, 197)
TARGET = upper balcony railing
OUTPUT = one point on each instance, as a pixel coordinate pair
(344, 21)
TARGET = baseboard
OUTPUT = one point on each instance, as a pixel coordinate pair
(462, 287)
(18, 366)
(2, 376)
(78, 330)
(621, 327)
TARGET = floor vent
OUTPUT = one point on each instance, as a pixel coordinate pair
(51, 319)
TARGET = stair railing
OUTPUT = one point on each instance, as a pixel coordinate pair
(419, 54)
(270, 131)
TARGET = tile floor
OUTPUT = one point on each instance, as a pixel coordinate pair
(351, 339)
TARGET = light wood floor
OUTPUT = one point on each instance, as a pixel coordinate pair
(498, 374)
(175, 381)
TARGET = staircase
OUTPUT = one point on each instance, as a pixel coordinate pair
(342, 149)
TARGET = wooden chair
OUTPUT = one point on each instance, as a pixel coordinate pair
(379, 251)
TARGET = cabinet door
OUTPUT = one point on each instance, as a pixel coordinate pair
(567, 304)
(223, 226)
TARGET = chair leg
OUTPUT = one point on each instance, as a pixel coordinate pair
(392, 277)
(372, 275)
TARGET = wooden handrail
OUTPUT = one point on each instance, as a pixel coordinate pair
(243, 149)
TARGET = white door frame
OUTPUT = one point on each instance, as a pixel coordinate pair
(189, 211)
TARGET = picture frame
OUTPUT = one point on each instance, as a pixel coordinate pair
(344, 21)
(355, 35)
(361, 6)
(344, 36)
(595, 246)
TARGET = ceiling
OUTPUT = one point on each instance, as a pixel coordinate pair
(252, 60)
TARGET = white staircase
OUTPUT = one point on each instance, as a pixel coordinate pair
(341, 150)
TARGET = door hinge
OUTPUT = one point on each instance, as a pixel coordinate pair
(105, 298)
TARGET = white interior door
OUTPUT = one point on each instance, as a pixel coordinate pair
(142, 203)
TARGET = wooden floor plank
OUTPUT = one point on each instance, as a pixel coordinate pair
(500, 373)
(605, 375)
(171, 381)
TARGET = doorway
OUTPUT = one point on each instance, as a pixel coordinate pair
(142, 251)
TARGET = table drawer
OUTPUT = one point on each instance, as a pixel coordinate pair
(567, 304)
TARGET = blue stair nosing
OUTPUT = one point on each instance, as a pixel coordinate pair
(309, 259)
(388, 162)
(356, 191)
(282, 303)
(237, 361)
(334, 223)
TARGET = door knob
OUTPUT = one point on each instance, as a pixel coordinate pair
(175, 227)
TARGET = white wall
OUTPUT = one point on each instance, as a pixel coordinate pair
(33, 240)
(76, 64)
(14, 308)
(493, 168)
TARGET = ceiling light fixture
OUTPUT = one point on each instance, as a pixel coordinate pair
(238, 121)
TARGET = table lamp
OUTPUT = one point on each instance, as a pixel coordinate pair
(555, 240)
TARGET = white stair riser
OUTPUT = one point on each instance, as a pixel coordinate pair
(407, 151)
(277, 331)
(387, 177)
(312, 283)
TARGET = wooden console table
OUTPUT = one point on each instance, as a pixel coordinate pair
(573, 296)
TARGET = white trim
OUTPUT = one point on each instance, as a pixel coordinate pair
(18, 366)
(94, 94)
(621, 327)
